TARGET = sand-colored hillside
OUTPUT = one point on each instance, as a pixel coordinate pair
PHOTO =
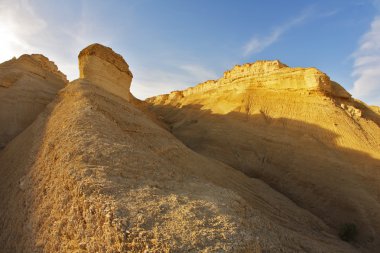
(27, 85)
(94, 173)
(376, 109)
(294, 129)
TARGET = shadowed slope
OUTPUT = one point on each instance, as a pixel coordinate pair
(106, 177)
(317, 146)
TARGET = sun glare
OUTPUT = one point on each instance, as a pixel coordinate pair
(10, 45)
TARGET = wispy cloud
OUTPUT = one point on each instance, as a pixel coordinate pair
(152, 82)
(198, 72)
(23, 30)
(258, 43)
(367, 66)
(18, 25)
(329, 13)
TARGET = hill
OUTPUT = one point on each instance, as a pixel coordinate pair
(27, 85)
(292, 128)
(95, 173)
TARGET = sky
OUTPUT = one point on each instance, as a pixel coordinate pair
(174, 44)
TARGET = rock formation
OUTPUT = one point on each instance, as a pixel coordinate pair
(272, 75)
(94, 173)
(27, 85)
(103, 67)
(293, 128)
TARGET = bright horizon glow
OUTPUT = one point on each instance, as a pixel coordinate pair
(174, 44)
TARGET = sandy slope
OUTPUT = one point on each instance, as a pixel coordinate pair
(376, 109)
(294, 129)
(94, 173)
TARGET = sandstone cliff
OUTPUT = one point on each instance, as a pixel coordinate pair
(94, 173)
(293, 128)
(27, 85)
(270, 75)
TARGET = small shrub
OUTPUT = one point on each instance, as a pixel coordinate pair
(348, 232)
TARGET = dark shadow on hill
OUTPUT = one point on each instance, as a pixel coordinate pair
(16, 196)
(300, 160)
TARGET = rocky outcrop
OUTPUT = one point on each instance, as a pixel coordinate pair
(276, 75)
(293, 128)
(268, 75)
(103, 67)
(27, 85)
(36, 64)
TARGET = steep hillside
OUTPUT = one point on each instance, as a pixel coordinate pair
(93, 173)
(293, 128)
(27, 85)
(376, 109)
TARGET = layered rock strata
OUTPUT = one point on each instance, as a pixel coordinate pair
(272, 75)
(103, 67)
(293, 128)
(27, 85)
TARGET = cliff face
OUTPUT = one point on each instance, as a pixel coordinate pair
(94, 173)
(101, 66)
(266, 89)
(293, 128)
(27, 85)
(272, 75)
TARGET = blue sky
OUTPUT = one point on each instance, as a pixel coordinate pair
(174, 44)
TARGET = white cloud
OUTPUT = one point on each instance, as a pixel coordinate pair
(23, 30)
(258, 43)
(153, 82)
(367, 66)
(18, 25)
(197, 72)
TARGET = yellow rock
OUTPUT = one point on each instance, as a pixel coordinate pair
(95, 173)
(103, 67)
(293, 128)
(27, 85)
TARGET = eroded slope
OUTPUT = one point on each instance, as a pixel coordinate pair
(98, 175)
(294, 129)
(27, 85)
